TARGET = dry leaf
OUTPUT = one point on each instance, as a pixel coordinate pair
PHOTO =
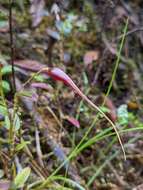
(73, 121)
(41, 85)
(90, 56)
(4, 185)
(4, 29)
(37, 11)
(31, 65)
(133, 105)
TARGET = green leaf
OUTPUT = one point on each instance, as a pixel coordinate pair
(6, 86)
(3, 59)
(3, 24)
(22, 177)
(27, 94)
(6, 70)
(104, 109)
(65, 27)
(39, 78)
(7, 122)
(74, 184)
(16, 122)
(122, 113)
(3, 15)
(1, 173)
(22, 145)
(3, 110)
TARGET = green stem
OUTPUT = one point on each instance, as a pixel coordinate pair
(117, 61)
(12, 45)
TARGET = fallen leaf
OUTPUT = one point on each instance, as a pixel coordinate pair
(54, 34)
(41, 85)
(4, 184)
(37, 11)
(4, 30)
(91, 56)
(31, 65)
(73, 121)
(4, 27)
(22, 177)
(138, 187)
(133, 105)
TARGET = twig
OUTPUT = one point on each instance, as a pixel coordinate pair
(129, 33)
(38, 148)
(11, 44)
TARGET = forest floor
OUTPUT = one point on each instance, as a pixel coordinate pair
(55, 133)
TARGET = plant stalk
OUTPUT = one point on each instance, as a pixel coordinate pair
(12, 45)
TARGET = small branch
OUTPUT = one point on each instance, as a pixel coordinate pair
(129, 33)
(38, 148)
(11, 44)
